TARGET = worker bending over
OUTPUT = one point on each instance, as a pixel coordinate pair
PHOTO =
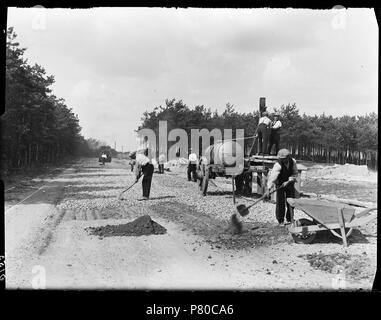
(284, 171)
(144, 167)
(263, 133)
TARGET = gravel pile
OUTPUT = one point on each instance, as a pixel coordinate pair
(219, 233)
(355, 266)
(141, 226)
(347, 172)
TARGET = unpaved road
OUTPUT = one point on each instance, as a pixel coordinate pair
(47, 244)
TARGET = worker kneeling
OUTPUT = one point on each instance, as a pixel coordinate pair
(144, 167)
(283, 177)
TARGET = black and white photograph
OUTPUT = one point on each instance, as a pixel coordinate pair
(159, 148)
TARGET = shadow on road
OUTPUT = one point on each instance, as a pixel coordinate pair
(327, 237)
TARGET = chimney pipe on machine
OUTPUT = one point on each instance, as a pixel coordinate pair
(262, 105)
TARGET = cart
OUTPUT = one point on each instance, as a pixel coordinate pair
(254, 166)
(338, 218)
(258, 164)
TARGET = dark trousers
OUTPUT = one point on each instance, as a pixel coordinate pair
(243, 183)
(281, 195)
(192, 172)
(161, 168)
(263, 138)
(238, 180)
(147, 179)
(274, 140)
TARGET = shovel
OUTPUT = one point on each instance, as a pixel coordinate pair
(244, 211)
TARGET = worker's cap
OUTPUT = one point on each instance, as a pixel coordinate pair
(283, 153)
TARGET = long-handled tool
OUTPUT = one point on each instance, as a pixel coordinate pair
(244, 211)
(255, 136)
(120, 195)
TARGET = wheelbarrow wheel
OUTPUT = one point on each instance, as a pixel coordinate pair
(304, 237)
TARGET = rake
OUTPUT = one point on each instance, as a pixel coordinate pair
(120, 195)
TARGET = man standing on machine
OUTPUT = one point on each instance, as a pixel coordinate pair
(275, 134)
(263, 133)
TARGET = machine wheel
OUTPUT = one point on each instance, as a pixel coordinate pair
(204, 181)
(307, 237)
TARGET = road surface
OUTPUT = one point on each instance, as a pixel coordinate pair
(48, 245)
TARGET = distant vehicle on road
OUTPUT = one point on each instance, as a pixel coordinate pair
(104, 157)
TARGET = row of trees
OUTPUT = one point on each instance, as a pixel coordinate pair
(37, 127)
(320, 138)
(345, 139)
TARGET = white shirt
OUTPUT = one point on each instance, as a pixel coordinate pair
(277, 124)
(264, 120)
(193, 158)
(161, 158)
(276, 171)
(141, 160)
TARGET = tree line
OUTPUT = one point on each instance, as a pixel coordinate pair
(37, 126)
(317, 138)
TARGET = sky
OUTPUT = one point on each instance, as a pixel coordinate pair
(113, 64)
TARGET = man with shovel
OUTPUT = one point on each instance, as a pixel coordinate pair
(283, 176)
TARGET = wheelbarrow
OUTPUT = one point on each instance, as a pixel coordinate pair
(338, 218)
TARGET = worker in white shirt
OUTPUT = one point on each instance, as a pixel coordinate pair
(144, 167)
(103, 157)
(263, 132)
(283, 175)
(161, 162)
(192, 166)
(275, 134)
